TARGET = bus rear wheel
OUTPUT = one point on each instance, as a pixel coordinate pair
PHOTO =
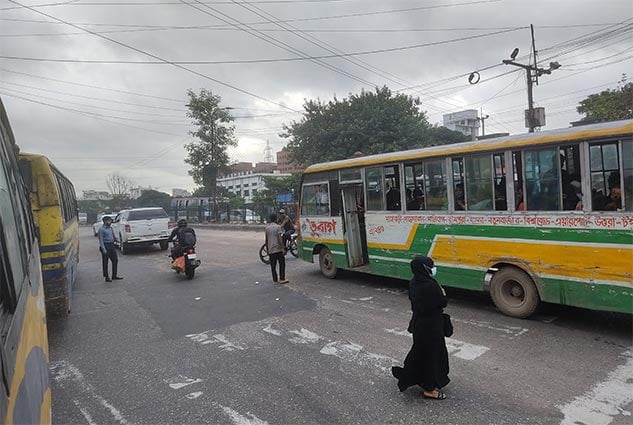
(514, 293)
(326, 263)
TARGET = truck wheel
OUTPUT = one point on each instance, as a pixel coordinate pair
(514, 293)
(125, 248)
(163, 245)
(326, 263)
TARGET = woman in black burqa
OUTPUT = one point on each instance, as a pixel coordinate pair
(426, 364)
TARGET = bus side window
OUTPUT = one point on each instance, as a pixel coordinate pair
(571, 177)
(627, 173)
(479, 183)
(392, 184)
(606, 176)
(414, 187)
(435, 182)
(459, 191)
(374, 188)
(542, 169)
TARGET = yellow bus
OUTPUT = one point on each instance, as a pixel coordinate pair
(54, 207)
(25, 392)
(536, 217)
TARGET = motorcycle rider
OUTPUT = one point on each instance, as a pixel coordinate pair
(287, 227)
(179, 234)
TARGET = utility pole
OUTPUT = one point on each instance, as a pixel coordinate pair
(483, 118)
(532, 72)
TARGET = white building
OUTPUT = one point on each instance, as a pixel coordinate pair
(136, 192)
(180, 193)
(245, 184)
(96, 195)
(466, 122)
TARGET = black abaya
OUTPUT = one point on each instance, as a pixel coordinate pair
(426, 364)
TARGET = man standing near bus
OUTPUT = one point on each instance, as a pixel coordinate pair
(108, 251)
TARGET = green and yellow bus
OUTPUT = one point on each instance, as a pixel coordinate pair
(544, 216)
(54, 207)
(25, 392)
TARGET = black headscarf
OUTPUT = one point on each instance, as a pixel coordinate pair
(421, 267)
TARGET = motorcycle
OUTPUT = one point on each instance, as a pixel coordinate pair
(187, 262)
(291, 247)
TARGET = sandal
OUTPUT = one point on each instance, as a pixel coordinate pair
(440, 396)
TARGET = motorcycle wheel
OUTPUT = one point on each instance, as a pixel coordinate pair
(263, 254)
(189, 272)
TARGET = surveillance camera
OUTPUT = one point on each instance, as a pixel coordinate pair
(514, 54)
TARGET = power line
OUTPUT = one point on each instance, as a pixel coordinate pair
(157, 57)
(161, 61)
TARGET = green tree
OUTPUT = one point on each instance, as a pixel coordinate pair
(215, 134)
(438, 135)
(609, 105)
(119, 187)
(370, 122)
(153, 198)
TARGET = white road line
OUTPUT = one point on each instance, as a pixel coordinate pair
(512, 331)
(85, 413)
(460, 349)
(181, 382)
(223, 343)
(605, 400)
(63, 371)
(239, 419)
(194, 395)
(355, 354)
(304, 336)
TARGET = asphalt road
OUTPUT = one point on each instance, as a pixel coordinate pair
(230, 347)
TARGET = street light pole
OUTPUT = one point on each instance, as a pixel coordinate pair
(483, 118)
(532, 72)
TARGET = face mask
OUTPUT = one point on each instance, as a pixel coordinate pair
(433, 271)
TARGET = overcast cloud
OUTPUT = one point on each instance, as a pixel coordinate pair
(93, 119)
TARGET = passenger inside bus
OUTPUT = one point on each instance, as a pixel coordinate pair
(393, 197)
(459, 197)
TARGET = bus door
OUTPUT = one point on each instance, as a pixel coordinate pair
(353, 228)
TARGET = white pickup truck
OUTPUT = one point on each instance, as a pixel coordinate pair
(142, 226)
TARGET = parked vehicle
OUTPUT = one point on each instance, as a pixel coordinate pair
(240, 216)
(291, 247)
(186, 263)
(142, 226)
(83, 219)
(97, 225)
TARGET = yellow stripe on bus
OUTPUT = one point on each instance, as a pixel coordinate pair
(328, 241)
(564, 259)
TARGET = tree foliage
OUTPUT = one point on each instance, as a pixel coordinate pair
(153, 198)
(609, 105)
(370, 122)
(214, 135)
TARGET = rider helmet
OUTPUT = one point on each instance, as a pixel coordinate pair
(182, 223)
(106, 218)
(282, 211)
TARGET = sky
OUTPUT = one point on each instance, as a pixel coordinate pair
(100, 87)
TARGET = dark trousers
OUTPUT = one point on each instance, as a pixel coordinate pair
(274, 258)
(110, 253)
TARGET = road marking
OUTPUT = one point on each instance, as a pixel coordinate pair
(512, 331)
(355, 354)
(239, 419)
(194, 395)
(460, 349)
(85, 413)
(63, 371)
(223, 343)
(181, 382)
(304, 337)
(605, 400)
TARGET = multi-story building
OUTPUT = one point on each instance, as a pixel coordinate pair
(466, 122)
(284, 164)
(248, 184)
(96, 195)
(136, 192)
(180, 193)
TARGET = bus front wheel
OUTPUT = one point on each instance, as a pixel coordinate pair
(514, 293)
(326, 262)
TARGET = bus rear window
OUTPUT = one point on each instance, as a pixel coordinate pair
(147, 214)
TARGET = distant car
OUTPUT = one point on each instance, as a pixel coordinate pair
(240, 216)
(83, 219)
(97, 225)
(142, 226)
